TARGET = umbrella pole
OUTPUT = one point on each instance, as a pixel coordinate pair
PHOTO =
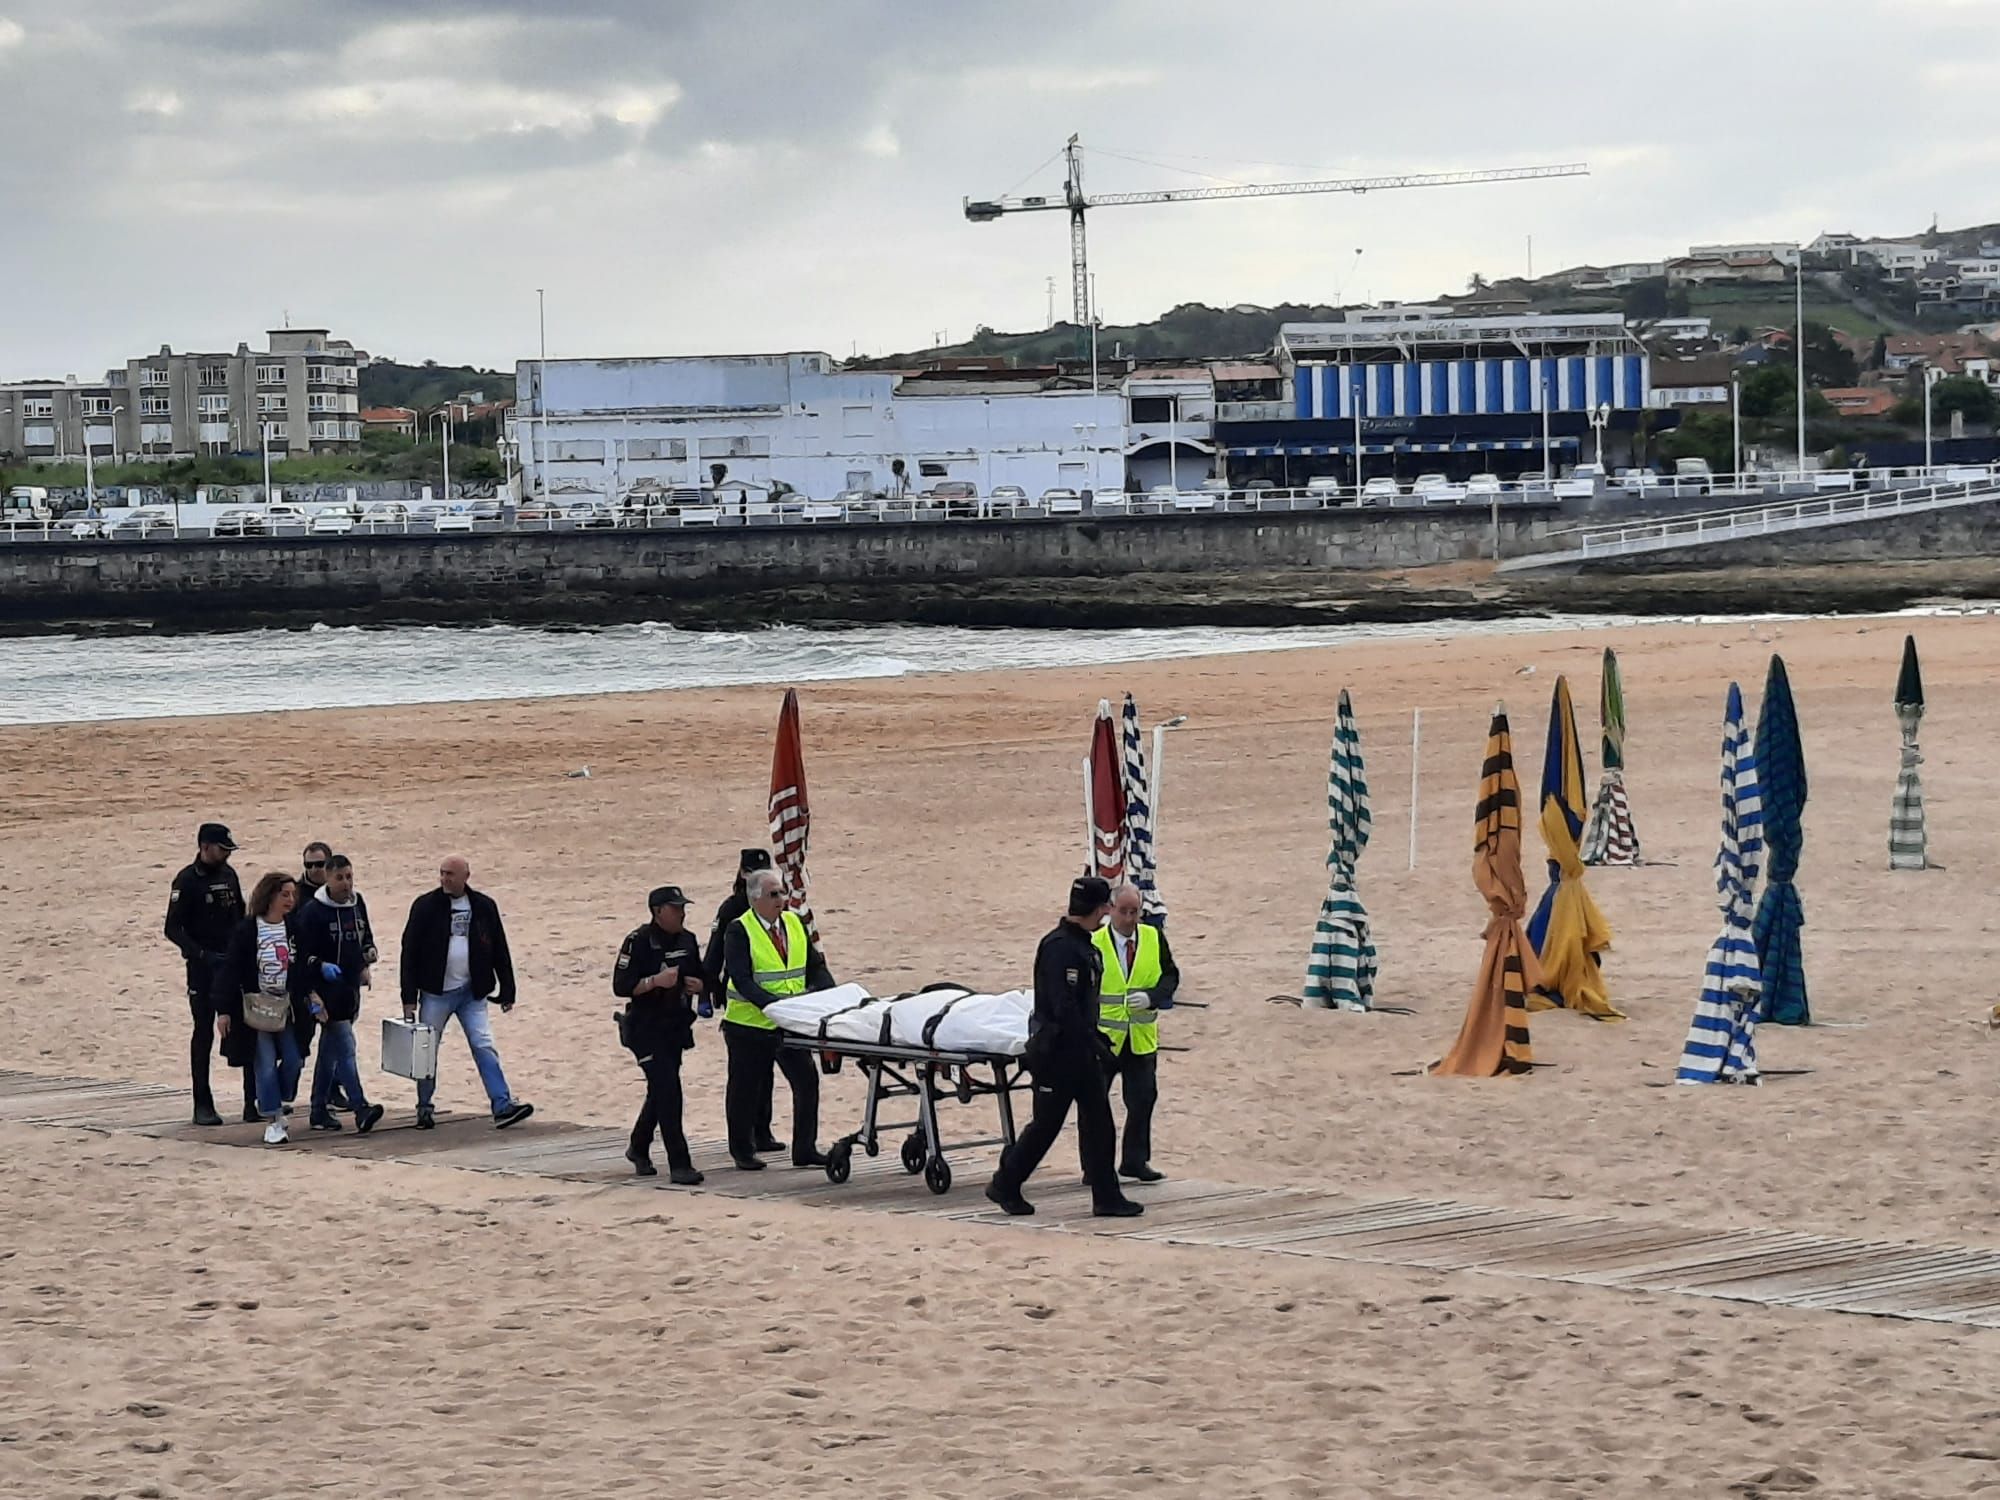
(1416, 747)
(1089, 824)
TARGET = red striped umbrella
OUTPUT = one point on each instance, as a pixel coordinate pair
(791, 812)
(1104, 798)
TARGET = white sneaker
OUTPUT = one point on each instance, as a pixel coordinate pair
(275, 1133)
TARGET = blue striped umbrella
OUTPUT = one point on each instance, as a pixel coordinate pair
(1139, 868)
(1721, 1044)
(1781, 772)
(1341, 972)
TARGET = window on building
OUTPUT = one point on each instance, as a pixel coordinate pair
(275, 431)
(350, 432)
(316, 375)
(214, 375)
(641, 450)
(745, 446)
(153, 375)
(97, 406)
(1153, 408)
(930, 471)
(577, 451)
(38, 408)
(212, 405)
(857, 421)
(270, 374)
(154, 406)
(321, 401)
(271, 402)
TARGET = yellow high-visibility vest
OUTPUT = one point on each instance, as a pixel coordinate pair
(1114, 1016)
(777, 974)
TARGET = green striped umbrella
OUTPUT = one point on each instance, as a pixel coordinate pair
(1611, 839)
(1909, 836)
(1341, 972)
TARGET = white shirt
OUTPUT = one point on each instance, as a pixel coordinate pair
(458, 956)
(274, 956)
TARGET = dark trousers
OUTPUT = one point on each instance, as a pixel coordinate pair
(201, 1040)
(1139, 1075)
(662, 1109)
(1072, 1077)
(753, 1052)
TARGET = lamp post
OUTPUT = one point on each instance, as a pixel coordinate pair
(445, 417)
(1174, 443)
(1932, 375)
(1599, 420)
(542, 394)
(1086, 439)
(1096, 322)
(1736, 430)
(1548, 461)
(1357, 436)
(1799, 351)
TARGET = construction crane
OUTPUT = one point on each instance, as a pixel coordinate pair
(1073, 201)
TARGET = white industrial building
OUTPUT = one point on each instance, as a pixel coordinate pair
(614, 427)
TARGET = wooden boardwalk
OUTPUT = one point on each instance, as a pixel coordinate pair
(1933, 1283)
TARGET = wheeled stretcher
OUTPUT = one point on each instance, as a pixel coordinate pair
(944, 1043)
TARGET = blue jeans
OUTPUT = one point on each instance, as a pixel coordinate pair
(433, 1011)
(336, 1064)
(277, 1070)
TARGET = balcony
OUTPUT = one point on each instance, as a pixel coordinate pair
(1254, 411)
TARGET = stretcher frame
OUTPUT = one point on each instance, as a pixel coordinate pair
(900, 1072)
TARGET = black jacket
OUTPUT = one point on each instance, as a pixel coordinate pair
(203, 912)
(339, 935)
(235, 972)
(1069, 971)
(713, 966)
(427, 941)
(659, 1020)
(742, 973)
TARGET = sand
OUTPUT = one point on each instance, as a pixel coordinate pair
(425, 1331)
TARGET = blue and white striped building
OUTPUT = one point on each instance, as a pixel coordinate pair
(1471, 387)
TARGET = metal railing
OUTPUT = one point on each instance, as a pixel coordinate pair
(1624, 539)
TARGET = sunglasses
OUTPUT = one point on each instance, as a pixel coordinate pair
(315, 864)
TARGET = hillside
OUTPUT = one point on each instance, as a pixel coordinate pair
(430, 384)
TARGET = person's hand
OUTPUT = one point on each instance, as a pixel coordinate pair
(317, 1006)
(222, 1028)
(330, 972)
(506, 1006)
(694, 985)
(367, 975)
(409, 1013)
(667, 978)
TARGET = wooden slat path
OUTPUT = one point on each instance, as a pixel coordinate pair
(1933, 1283)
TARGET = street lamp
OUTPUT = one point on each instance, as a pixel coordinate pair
(1799, 350)
(445, 417)
(1599, 420)
(1548, 462)
(1932, 375)
(1356, 402)
(264, 441)
(1736, 430)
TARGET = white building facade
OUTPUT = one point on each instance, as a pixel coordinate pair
(1783, 251)
(610, 428)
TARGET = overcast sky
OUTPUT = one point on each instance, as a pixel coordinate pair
(740, 176)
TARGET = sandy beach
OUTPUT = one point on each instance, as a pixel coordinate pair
(421, 1331)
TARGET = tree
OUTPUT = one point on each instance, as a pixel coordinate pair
(1702, 434)
(1646, 299)
(1879, 355)
(1963, 393)
(1677, 302)
(1743, 334)
(1767, 392)
(1828, 361)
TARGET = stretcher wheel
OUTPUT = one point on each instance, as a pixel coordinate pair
(913, 1154)
(839, 1162)
(872, 1146)
(937, 1175)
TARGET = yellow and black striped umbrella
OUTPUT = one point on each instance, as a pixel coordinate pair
(1494, 1037)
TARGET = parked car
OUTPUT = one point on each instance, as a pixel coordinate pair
(1964, 474)
(136, 525)
(240, 522)
(1580, 483)
(852, 500)
(487, 512)
(589, 514)
(1693, 474)
(1483, 489)
(386, 514)
(959, 497)
(1062, 502)
(335, 520)
(1323, 489)
(1435, 489)
(1634, 481)
(443, 517)
(1380, 491)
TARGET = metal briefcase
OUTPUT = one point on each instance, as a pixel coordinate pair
(409, 1048)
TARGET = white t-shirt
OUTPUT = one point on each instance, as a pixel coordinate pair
(458, 957)
(274, 956)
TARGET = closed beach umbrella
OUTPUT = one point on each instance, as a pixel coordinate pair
(1721, 1044)
(1341, 972)
(1568, 930)
(1611, 840)
(791, 812)
(1139, 868)
(1909, 839)
(1494, 1037)
(1781, 773)
(1104, 798)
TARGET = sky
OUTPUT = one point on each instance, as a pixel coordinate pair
(689, 177)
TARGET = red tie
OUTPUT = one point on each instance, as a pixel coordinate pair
(777, 931)
(1131, 944)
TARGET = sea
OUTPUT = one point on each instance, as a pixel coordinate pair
(79, 679)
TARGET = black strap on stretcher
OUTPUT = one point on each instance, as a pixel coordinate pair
(829, 1062)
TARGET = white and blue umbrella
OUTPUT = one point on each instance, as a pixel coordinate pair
(1340, 975)
(1721, 1044)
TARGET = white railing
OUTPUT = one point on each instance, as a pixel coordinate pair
(1625, 539)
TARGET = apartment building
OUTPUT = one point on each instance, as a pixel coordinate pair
(300, 394)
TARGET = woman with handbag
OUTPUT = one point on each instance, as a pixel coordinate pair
(255, 991)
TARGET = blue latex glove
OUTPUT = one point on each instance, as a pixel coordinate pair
(330, 973)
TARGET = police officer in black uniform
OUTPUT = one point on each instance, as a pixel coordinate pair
(658, 970)
(715, 965)
(202, 915)
(1067, 1055)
